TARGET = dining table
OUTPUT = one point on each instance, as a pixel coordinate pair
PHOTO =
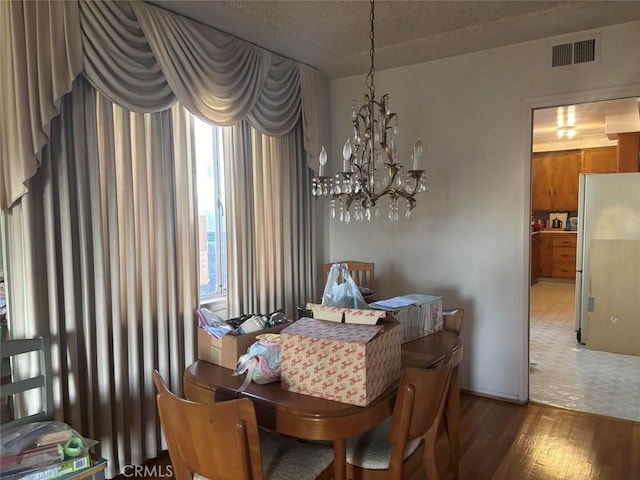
(317, 419)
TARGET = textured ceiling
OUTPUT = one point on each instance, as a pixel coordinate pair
(341, 28)
(333, 36)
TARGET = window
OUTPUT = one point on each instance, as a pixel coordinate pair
(211, 210)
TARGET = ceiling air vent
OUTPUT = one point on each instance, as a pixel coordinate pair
(583, 51)
(562, 55)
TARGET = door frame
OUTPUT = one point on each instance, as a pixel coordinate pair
(528, 106)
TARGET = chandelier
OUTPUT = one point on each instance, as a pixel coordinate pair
(370, 169)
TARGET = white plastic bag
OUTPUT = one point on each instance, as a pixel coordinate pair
(261, 363)
(345, 294)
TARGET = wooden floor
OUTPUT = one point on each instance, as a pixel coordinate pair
(504, 441)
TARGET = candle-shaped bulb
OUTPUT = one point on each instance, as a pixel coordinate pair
(346, 155)
(322, 159)
(417, 154)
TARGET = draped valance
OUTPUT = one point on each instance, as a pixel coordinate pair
(141, 57)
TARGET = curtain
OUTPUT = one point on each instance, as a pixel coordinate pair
(40, 55)
(102, 243)
(221, 77)
(118, 60)
(270, 222)
(103, 254)
(141, 57)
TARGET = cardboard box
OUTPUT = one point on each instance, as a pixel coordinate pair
(347, 363)
(56, 470)
(225, 351)
(421, 319)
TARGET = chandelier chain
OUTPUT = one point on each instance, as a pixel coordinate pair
(372, 53)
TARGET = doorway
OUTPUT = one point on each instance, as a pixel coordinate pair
(562, 371)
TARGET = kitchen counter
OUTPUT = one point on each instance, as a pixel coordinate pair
(557, 230)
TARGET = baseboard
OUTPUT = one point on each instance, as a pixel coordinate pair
(492, 396)
(554, 280)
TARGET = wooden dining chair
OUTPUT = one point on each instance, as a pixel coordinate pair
(396, 448)
(361, 272)
(452, 320)
(221, 441)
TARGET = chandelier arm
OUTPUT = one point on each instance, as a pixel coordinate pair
(386, 190)
(386, 149)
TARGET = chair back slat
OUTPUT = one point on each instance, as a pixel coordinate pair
(419, 405)
(217, 440)
(429, 394)
(20, 386)
(14, 385)
(361, 272)
(452, 320)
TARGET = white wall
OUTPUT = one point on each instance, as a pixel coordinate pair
(468, 238)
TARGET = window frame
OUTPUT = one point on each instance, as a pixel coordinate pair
(219, 203)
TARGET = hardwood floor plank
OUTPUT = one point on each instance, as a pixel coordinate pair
(559, 444)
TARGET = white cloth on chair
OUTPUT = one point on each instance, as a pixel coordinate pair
(372, 450)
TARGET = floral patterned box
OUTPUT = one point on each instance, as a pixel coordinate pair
(348, 363)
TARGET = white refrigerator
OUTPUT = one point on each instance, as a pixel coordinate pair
(608, 209)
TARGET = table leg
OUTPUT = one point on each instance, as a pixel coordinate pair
(452, 414)
(340, 459)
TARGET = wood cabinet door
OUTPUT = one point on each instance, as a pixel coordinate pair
(546, 255)
(599, 160)
(628, 152)
(564, 270)
(542, 170)
(535, 257)
(566, 181)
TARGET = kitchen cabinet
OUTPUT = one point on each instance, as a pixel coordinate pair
(599, 160)
(557, 255)
(554, 185)
(545, 261)
(628, 159)
(535, 257)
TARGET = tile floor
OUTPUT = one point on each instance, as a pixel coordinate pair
(566, 374)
